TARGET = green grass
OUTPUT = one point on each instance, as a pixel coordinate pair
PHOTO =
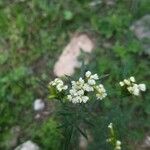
(32, 36)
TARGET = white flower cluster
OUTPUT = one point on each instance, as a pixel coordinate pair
(132, 87)
(80, 88)
(77, 92)
(101, 92)
(59, 84)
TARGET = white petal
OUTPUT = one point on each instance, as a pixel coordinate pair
(91, 82)
(127, 82)
(80, 92)
(118, 142)
(142, 87)
(130, 89)
(85, 99)
(69, 97)
(95, 77)
(132, 79)
(110, 125)
(88, 74)
(136, 91)
(121, 83)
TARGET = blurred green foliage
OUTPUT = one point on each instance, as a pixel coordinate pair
(33, 34)
(48, 135)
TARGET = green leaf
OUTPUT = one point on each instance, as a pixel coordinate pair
(68, 15)
(83, 133)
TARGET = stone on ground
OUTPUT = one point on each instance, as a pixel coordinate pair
(29, 145)
(68, 60)
(39, 105)
(146, 143)
(141, 28)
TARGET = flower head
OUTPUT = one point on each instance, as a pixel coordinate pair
(132, 86)
(80, 89)
(78, 93)
(101, 92)
(58, 83)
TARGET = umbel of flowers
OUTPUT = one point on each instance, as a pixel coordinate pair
(59, 84)
(132, 87)
(78, 93)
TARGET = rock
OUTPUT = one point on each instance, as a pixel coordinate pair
(95, 3)
(141, 28)
(68, 60)
(15, 131)
(83, 142)
(39, 105)
(110, 2)
(146, 143)
(13, 136)
(37, 116)
(98, 2)
(29, 145)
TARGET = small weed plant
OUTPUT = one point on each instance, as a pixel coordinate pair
(76, 99)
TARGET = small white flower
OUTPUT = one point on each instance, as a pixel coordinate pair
(81, 81)
(91, 82)
(142, 87)
(58, 83)
(121, 83)
(61, 87)
(75, 100)
(110, 126)
(101, 92)
(101, 95)
(78, 99)
(73, 92)
(136, 90)
(78, 84)
(80, 92)
(118, 142)
(127, 82)
(108, 140)
(132, 79)
(69, 97)
(73, 83)
(88, 74)
(95, 77)
(88, 88)
(77, 92)
(130, 89)
(65, 87)
(85, 99)
(118, 145)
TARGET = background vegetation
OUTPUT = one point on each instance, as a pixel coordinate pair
(32, 36)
